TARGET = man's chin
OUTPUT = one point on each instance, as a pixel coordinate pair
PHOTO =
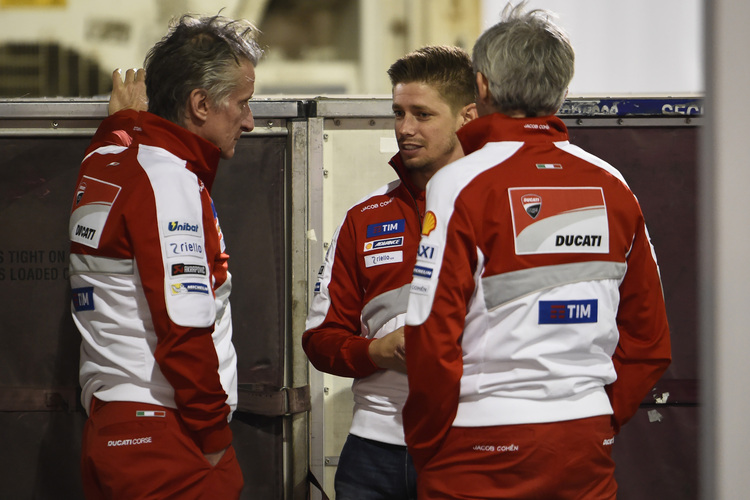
(412, 163)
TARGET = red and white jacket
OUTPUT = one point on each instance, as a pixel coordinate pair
(149, 277)
(361, 294)
(536, 295)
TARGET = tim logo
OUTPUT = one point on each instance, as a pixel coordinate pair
(568, 311)
(383, 228)
(83, 298)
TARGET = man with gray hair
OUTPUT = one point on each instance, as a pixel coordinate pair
(536, 322)
(149, 276)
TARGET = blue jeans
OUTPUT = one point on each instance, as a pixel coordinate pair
(371, 470)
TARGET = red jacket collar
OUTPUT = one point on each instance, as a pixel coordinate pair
(498, 127)
(403, 174)
(201, 156)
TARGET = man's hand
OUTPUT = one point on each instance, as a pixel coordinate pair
(389, 352)
(130, 94)
(213, 458)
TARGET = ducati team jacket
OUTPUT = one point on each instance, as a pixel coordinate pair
(149, 277)
(536, 295)
(361, 294)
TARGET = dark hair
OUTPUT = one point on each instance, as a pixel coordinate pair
(528, 62)
(198, 53)
(448, 69)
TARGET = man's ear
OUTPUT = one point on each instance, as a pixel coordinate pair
(468, 113)
(197, 106)
(483, 90)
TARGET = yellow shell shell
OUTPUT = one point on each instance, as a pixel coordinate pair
(429, 223)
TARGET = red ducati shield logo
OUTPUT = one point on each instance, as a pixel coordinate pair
(532, 203)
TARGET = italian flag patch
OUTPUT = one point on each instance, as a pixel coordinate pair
(150, 413)
(548, 166)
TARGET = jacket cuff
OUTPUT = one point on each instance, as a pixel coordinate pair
(360, 352)
(213, 440)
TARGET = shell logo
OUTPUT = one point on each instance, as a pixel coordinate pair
(429, 223)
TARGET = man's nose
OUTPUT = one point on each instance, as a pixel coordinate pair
(248, 123)
(406, 126)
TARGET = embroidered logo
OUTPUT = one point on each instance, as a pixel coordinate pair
(384, 228)
(532, 203)
(83, 298)
(429, 223)
(568, 311)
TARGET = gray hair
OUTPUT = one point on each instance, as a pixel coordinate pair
(527, 60)
(198, 53)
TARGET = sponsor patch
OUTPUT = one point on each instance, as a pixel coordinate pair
(426, 252)
(559, 220)
(130, 442)
(377, 205)
(385, 228)
(180, 288)
(420, 288)
(93, 201)
(222, 243)
(317, 287)
(80, 191)
(492, 448)
(532, 203)
(184, 247)
(429, 223)
(379, 259)
(422, 272)
(175, 227)
(180, 269)
(83, 298)
(553, 312)
(385, 243)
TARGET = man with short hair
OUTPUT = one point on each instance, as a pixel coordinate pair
(355, 324)
(536, 322)
(149, 276)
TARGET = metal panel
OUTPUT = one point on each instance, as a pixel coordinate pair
(41, 415)
(314, 247)
(380, 107)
